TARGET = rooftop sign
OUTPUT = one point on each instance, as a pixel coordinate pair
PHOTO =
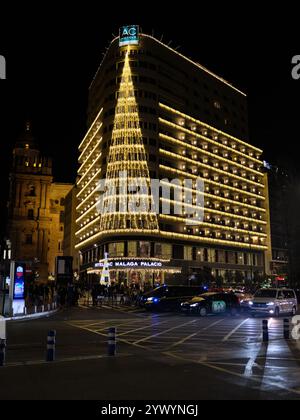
(129, 35)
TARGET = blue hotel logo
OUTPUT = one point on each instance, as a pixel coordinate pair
(129, 35)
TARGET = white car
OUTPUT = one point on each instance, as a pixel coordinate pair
(274, 302)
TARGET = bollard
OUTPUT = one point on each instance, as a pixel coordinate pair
(51, 341)
(2, 351)
(35, 309)
(286, 329)
(43, 308)
(25, 310)
(49, 307)
(265, 327)
(112, 341)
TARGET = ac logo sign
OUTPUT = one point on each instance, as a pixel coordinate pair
(131, 31)
(2, 67)
(129, 35)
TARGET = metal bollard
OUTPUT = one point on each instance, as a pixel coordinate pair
(51, 341)
(35, 309)
(286, 329)
(2, 351)
(112, 346)
(25, 310)
(43, 308)
(265, 327)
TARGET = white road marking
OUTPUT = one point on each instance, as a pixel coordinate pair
(270, 380)
(212, 325)
(249, 367)
(143, 328)
(193, 335)
(163, 332)
(235, 330)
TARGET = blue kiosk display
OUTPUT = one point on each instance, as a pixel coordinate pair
(17, 287)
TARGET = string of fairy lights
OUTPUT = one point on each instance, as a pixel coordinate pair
(127, 159)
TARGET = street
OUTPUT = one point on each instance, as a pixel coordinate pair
(159, 356)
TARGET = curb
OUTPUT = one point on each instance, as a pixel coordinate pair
(32, 316)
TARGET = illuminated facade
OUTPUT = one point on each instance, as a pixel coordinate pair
(35, 210)
(155, 113)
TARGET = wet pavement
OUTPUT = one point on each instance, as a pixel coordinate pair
(221, 350)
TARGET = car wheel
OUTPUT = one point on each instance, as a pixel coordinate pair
(202, 311)
(277, 312)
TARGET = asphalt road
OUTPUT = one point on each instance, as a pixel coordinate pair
(159, 356)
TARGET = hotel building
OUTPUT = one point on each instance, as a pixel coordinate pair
(156, 114)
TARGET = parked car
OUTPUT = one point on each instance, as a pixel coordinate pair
(212, 303)
(168, 298)
(245, 299)
(274, 302)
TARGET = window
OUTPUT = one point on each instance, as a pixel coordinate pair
(162, 250)
(62, 217)
(30, 214)
(217, 105)
(132, 249)
(32, 192)
(116, 249)
(144, 249)
(188, 253)
(28, 239)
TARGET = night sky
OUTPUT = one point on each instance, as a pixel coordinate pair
(52, 55)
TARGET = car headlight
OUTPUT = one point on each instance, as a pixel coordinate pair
(270, 304)
(250, 303)
(150, 299)
(194, 305)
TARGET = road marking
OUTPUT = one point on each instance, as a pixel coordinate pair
(143, 327)
(193, 335)
(163, 332)
(212, 325)
(249, 367)
(235, 330)
(229, 372)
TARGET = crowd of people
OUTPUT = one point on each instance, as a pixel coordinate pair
(121, 293)
(43, 294)
(69, 295)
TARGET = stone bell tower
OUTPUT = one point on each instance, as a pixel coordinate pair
(28, 215)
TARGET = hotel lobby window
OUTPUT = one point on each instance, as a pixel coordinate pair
(188, 253)
(162, 250)
(116, 249)
(144, 249)
(132, 249)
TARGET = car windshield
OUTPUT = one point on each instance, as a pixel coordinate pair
(266, 293)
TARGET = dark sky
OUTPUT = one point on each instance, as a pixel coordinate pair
(53, 52)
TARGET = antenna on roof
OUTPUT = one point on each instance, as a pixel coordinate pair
(161, 38)
(177, 48)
